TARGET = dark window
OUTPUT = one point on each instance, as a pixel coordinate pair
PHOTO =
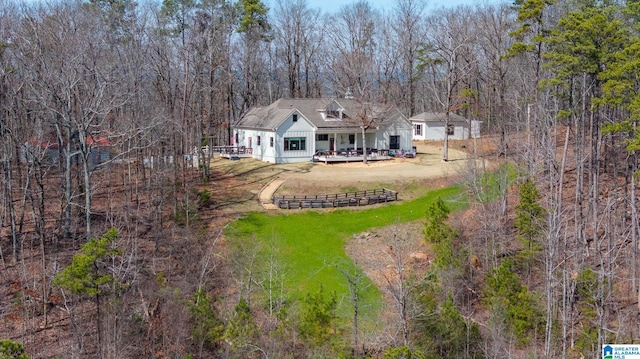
(450, 130)
(418, 130)
(270, 141)
(333, 114)
(394, 142)
(258, 141)
(352, 139)
(322, 137)
(295, 143)
(295, 117)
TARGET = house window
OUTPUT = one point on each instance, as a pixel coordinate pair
(418, 130)
(295, 143)
(258, 141)
(450, 130)
(270, 141)
(295, 117)
(394, 142)
(352, 139)
(333, 114)
(322, 137)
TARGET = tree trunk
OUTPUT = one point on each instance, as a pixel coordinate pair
(364, 145)
(445, 151)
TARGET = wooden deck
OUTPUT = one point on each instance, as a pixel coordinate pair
(349, 156)
(232, 152)
(347, 199)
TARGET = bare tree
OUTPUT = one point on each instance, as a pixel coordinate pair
(407, 32)
(448, 59)
(400, 281)
(357, 284)
(76, 93)
(352, 59)
(299, 34)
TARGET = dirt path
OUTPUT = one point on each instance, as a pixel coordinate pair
(266, 193)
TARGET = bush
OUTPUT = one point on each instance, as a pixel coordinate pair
(403, 352)
(11, 350)
(204, 198)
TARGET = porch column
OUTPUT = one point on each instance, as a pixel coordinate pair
(355, 142)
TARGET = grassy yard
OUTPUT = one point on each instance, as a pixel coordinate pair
(312, 243)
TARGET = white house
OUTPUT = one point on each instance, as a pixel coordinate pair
(293, 130)
(431, 126)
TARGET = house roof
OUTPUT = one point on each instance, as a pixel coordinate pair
(270, 117)
(437, 117)
(44, 144)
(97, 141)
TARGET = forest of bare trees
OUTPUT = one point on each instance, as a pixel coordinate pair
(549, 262)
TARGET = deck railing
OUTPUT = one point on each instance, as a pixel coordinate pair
(230, 149)
(346, 199)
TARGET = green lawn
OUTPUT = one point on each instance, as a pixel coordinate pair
(312, 243)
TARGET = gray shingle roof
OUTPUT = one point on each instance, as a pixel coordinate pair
(437, 117)
(271, 116)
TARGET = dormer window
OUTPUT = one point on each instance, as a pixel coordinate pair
(295, 117)
(333, 114)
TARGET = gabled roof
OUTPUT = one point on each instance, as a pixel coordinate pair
(437, 117)
(266, 117)
(270, 117)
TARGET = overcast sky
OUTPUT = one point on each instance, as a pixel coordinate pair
(332, 6)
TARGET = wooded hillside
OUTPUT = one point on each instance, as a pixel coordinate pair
(111, 238)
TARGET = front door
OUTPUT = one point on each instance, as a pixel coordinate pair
(394, 142)
(332, 144)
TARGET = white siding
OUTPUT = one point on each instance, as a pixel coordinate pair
(403, 129)
(419, 136)
(323, 145)
(289, 128)
(435, 131)
(294, 129)
(475, 128)
(343, 142)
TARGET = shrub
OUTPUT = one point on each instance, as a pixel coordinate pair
(12, 350)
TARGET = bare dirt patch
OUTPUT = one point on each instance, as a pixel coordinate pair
(382, 252)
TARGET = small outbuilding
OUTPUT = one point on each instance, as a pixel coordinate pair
(36, 150)
(431, 126)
